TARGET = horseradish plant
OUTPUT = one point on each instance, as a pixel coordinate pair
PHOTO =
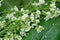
(17, 23)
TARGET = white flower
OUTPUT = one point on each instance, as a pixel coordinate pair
(41, 1)
(32, 26)
(11, 38)
(25, 28)
(32, 17)
(15, 8)
(59, 12)
(37, 20)
(22, 33)
(48, 16)
(24, 17)
(29, 22)
(27, 11)
(39, 29)
(8, 33)
(22, 9)
(56, 13)
(52, 9)
(35, 4)
(11, 17)
(53, 5)
(18, 37)
(2, 24)
(13, 13)
(38, 14)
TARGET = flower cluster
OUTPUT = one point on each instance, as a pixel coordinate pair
(54, 11)
(19, 22)
(26, 20)
(39, 3)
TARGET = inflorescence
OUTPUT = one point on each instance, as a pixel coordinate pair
(23, 20)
